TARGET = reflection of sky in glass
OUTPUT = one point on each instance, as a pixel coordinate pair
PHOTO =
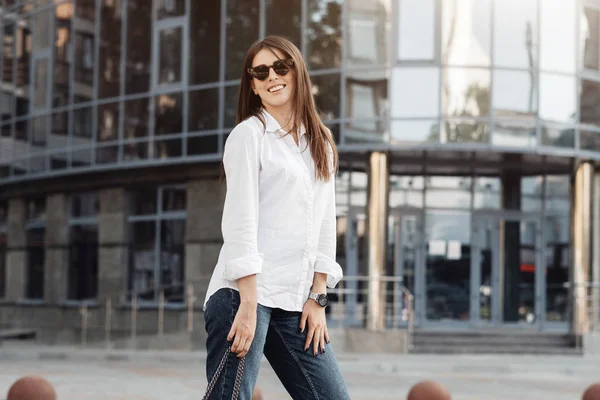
(511, 20)
(557, 33)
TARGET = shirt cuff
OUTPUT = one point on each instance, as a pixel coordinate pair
(326, 265)
(243, 266)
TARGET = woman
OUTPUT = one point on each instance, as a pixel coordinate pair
(268, 291)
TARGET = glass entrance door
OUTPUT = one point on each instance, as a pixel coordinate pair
(404, 260)
(507, 271)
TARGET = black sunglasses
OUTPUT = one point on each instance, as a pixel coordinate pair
(281, 67)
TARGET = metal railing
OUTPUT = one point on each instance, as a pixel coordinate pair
(350, 307)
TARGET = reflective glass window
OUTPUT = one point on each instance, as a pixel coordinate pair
(487, 193)
(136, 118)
(416, 131)
(326, 92)
(82, 276)
(24, 63)
(368, 32)
(110, 48)
(284, 18)
(168, 114)
(415, 92)
(8, 51)
(170, 42)
(231, 103)
(589, 139)
(205, 39)
(514, 95)
(449, 237)
(203, 110)
(242, 31)
(84, 66)
(205, 144)
(170, 8)
(557, 46)
(62, 53)
(460, 130)
(465, 92)
(417, 27)
(558, 135)
(323, 33)
(139, 49)
(590, 38)
(514, 133)
(557, 98)
(531, 193)
(85, 204)
(515, 33)
(365, 98)
(108, 122)
(466, 32)
(589, 104)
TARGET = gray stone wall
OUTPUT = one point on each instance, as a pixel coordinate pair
(57, 251)
(205, 200)
(16, 256)
(112, 238)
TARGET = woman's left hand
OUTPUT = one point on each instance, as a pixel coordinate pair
(313, 315)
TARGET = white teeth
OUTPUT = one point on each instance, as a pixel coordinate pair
(276, 88)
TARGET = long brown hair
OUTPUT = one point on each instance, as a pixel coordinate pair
(304, 109)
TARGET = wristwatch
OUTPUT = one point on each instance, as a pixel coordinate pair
(320, 298)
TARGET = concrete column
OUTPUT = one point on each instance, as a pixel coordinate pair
(595, 322)
(112, 242)
(377, 205)
(56, 258)
(205, 199)
(16, 255)
(581, 239)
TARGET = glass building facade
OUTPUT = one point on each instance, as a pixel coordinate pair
(479, 120)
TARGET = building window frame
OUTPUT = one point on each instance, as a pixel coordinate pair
(75, 222)
(396, 35)
(156, 218)
(35, 220)
(3, 246)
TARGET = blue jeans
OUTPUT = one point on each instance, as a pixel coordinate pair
(278, 336)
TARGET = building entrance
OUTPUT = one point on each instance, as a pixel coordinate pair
(507, 270)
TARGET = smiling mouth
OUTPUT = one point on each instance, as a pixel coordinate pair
(275, 89)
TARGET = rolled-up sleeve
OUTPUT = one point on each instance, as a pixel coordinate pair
(326, 250)
(241, 160)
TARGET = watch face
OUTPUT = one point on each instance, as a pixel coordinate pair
(323, 301)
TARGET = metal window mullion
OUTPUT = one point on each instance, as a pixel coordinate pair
(221, 88)
(122, 79)
(578, 68)
(185, 76)
(71, 100)
(537, 74)
(442, 68)
(157, 249)
(303, 27)
(97, 40)
(344, 22)
(491, 72)
(262, 19)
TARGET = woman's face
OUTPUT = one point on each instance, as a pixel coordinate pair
(275, 90)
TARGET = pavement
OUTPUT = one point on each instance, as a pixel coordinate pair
(94, 374)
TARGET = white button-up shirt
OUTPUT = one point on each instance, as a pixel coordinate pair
(279, 221)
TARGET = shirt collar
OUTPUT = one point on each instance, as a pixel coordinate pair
(273, 126)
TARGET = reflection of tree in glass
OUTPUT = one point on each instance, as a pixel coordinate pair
(284, 18)
(326, 91)
(478, 98)
(242, 31)
(323, 33)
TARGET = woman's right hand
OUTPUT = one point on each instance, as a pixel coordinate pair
(243, 328)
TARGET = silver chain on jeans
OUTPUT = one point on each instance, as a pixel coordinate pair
(238, 377)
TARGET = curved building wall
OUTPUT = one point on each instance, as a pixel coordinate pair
(103, 84)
